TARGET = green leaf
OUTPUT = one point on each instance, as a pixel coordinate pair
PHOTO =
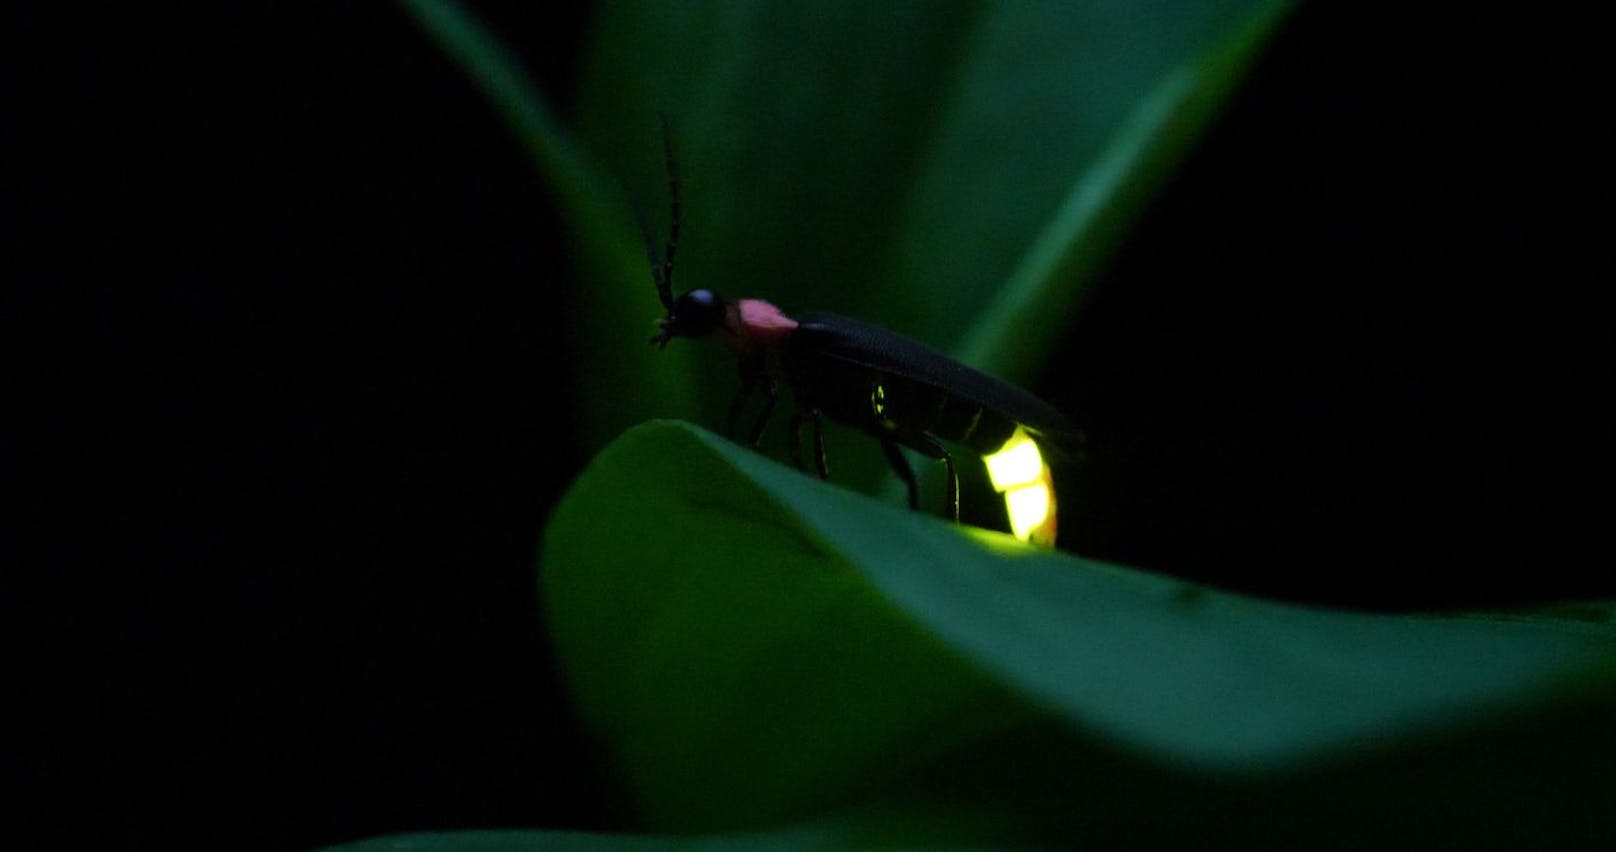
(957, 172)
(753, 645)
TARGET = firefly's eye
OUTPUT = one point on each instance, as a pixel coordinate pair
(698, 312)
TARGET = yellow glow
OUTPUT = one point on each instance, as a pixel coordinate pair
(1019, 472)
(1029, 509)
(1017, 463)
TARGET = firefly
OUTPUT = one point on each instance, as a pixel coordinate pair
(897, 390)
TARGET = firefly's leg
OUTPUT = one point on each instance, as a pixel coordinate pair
(752, 374)
(770, 390)
(819, 445)
(929, 446)
(796, 439)
(738, 403)
(900, 466)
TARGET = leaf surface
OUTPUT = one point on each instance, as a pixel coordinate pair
(753, 645)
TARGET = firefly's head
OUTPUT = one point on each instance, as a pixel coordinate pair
(696, 313)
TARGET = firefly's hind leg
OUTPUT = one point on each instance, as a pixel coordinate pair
(928, 446)
(820, 467)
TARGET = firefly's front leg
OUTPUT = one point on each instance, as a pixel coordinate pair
(737, 404)
(753, 375)
(770, 391)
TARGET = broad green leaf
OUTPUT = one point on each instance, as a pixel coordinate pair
(954, 171)
(752, 645)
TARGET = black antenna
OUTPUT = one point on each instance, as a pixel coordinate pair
(651, 258)
(665, 277)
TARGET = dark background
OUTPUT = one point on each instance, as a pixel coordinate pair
(285, 307)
